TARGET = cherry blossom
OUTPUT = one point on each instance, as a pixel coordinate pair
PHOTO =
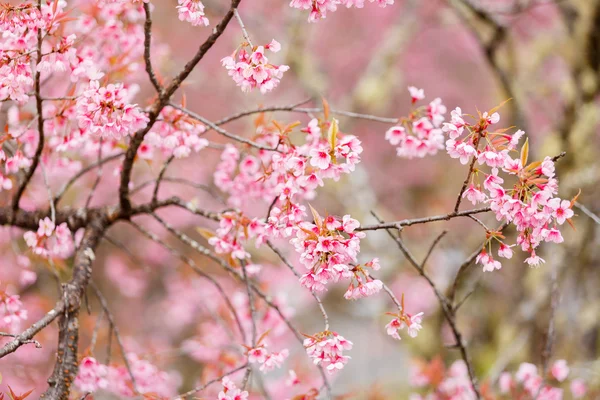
(192, 11)
(326, 348)
(421, 133)
(252, 69)
(104, 111)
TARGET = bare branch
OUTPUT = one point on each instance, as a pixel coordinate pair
(115, 329)
(27, 335)
(147, 47)
(40, 123)
(409, 222)
(161, 102)
(207, 384)
(446, 307)
(222, 131)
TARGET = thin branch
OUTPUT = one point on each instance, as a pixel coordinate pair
(207, 384)
(291, 268)
(446, 307)
(222, 131)
(243, 27)
(409, 222)
(85, 170)
(98, 174)
(115, 329)
(252, 318)
(588, 212)
(467, 179)
(160, 178)
(27, 335)
(32, 341)
(435, 243)
(147, 47)
(161, 102)
(261, 110)
(192, 264)
(460, 274)
(40, 121)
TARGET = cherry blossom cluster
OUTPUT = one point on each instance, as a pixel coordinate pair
(326, 349)
(251, 69)
(527, 382)
(235, 229)
(231, 391)
(327, 247)
(319, 8)
(105, 111)
(527, 200)
(437, 383)
(50, 241)
(402, 320)
(290, 175)
(11, 312)
(525, 197)
(113, 40)
(175, 134)
(192, 11)
(268, 361)
(420, 134)
(365, 285)
(93, 376)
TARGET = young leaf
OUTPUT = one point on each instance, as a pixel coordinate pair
(325, 109)
(493, 110)
(525, 152)
(316, 216)
(332, 133)
(205, 233)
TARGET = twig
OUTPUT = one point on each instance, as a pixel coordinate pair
(588, 212)
(222, 131)
(207, 384)
(409, 222)
(27, 335)
(435, 243)
(160, 103)
(252, 318)
(243, 27)
(446, 307)
(291, 268)
(147, 47)
(115, 329)
(160, 178)
(35, 342)
(85, 170)
(192, 264)
(40, 121)
(467, 179)
(98, 174)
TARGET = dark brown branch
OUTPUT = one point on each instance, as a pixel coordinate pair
(147, 46)
(222, 131)
(162, 101)
(85, 170)
(40, 123)
(409, 222)
(446, 307)
(207, 384)
(435, 243)
(65, 368)
(260, 110)
(27, 335)
(115, 329)
(160, 178)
